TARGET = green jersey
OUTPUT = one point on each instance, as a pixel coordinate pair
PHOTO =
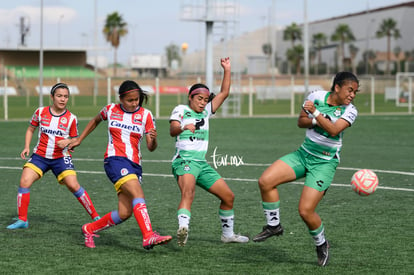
(189, 145)
(317, 141)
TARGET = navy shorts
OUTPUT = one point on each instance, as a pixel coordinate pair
(119, 170)
(61, 167)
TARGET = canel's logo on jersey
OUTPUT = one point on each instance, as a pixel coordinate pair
(132, 128)
(52, 132)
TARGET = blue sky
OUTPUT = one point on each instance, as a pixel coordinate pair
(153, 25)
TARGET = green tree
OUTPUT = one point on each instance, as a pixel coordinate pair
(295, 55)
(389, 29)
(173, 53)
(292, 33)
(319, 40)
(343, 34)
(115, 27)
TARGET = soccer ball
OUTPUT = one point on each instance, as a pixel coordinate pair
(364, 182)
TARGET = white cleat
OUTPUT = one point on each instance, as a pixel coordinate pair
(235, 239)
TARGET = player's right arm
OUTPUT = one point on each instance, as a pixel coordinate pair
(28, 138)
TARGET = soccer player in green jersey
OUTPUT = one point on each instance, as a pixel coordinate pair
(325, 115)
(189, 125)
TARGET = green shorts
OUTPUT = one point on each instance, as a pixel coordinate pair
(204, 174)
(319, 172)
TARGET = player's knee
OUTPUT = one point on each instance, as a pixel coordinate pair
(188, 194)
(228, 199)
(124, 215)
(264, 184)
(305, 213)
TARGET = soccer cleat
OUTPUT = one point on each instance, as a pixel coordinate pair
(155, 239)
(323, 253)
(89, 242)
(268, 231)
(235, 239)
(19, 224)
(182, 235)
(96, 218)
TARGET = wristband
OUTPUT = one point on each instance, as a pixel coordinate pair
(182, 127)
(314, 122)
(316, 113)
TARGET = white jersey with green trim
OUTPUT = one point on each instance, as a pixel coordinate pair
(318, 142)
(192, 146)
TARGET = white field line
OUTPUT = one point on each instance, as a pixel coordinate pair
(244, 164)
(229, 179)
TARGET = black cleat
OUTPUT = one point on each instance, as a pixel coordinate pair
(268, 231)
(323, 253)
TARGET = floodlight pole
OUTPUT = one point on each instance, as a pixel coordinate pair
(306, 38)
(41, 57)
(209, 45)
(209, 54)
(95, 67)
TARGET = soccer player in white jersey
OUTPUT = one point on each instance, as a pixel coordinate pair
(128, 124)
(55, 123)
(325, 115)
(189, 124)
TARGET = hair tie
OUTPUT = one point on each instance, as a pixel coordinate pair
(199, 90)
(133, 90)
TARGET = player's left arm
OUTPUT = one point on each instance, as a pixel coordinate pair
(150, 133)
(151, 138)
(225, 85)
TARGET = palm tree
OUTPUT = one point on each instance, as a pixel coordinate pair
(389, 29)
(115, 27)
(319, 40)
(292, 33)
(173, 53)
(295, 55)
(343, 34)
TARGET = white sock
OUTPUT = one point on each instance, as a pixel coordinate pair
(319, 238)
(227, 225)
(272, 216)
(183, 220)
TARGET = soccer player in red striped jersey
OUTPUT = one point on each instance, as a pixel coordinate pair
(128, 124)
(55, 123)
